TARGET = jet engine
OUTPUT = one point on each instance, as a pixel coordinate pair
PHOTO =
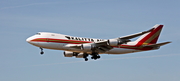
(88, 47)
(116, 42)
(72, 54)
(69, 54)
(80, 55)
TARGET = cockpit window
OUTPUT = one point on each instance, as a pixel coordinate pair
(38, 33)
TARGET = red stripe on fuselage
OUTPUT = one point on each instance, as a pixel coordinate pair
(59, 41)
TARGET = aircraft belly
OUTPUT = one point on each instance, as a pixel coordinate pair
(57, 46)
(60, 46)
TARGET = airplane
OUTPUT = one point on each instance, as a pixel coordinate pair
(81, 47)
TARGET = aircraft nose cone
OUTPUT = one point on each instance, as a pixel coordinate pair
(29, 40)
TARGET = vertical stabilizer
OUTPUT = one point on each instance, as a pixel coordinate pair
(151, 37)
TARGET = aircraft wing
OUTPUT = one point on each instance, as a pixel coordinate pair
(135, 35)
(103, 46)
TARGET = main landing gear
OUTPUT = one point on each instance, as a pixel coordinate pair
(41, 51)
(85, 57)
(95, 56)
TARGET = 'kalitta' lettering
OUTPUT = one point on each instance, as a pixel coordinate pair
(82, 39)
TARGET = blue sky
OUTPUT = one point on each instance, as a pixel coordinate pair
(104, 19)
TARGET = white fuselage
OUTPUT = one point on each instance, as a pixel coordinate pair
(59, 42)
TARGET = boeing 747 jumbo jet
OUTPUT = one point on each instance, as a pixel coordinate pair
(80, 47)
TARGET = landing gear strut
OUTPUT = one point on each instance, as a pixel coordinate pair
(41, 51)
(85, 57)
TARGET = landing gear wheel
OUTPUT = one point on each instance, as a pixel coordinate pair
(92, 57)
(41, 52)
(98, 57)
(86, 59)
(95, 56)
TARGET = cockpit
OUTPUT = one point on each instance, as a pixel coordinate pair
(38, 33)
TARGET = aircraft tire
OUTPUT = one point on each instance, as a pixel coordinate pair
(92, 57)
(86, 59)
(98, 57)
(42, 53)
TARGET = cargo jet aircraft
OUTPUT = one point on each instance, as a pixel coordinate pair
(80, 47)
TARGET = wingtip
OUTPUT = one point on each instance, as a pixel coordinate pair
(169, 42)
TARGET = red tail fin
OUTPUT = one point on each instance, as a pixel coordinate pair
(151, 37)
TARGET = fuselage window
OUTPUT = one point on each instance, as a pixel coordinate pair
(38, 33)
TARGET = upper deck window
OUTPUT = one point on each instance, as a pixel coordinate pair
(38, 33)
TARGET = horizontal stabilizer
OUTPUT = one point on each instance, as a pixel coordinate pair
(157, 45)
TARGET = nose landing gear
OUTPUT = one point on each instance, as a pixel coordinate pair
(41, 51)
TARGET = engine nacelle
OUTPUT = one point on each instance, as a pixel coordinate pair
(69, 54)
(87, 47)
(80, 55)
(116, 42)
(113, 42)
